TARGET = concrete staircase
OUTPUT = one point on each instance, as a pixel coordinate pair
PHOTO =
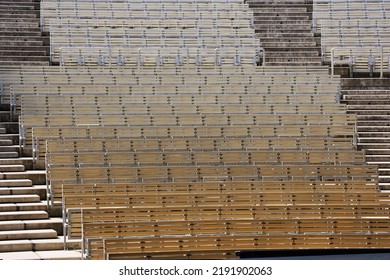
(21, 40)
(370, 100)
(285, 32)
(26, 229)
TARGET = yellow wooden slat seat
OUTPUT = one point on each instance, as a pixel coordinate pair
(239, 172)
(40, 134)
(227, 243)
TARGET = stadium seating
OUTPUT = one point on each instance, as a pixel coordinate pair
(165, 135)
(353, 33)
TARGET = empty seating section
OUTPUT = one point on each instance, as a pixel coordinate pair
(354, 33)
(144, 10)
(215, 80)
(341, 136)
(144, 39)
(116, 39)
(162, 137)
(223, 247)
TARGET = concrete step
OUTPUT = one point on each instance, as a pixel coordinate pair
(38, 177)
(43, 255)
(287, 39)
(24, 63)
(374, 118)
(13, 137)
(25, 206)
(38, 245)
(18, 7)
(20, 38)
(362, 135)
(293, 59)
(20, 23)
(9, 154)
(378, 158)
(23, 215)
(19, 10)
(3, 130)
(283, 33)
(25, 44)
(291, 49)
(13, 148)
(26, 161)
(23, 198)
(40, 190)
(11, 127)
(368, 107)
(295, 63)
(12, 168)
(270, 46)
(5, 142)
(282, 21)
(24, 58)
(40, 48)
(385, 179)
(277, 9)
(383, 171)
(377, 151)
(373, 146)
(28, 234)
(373, 129)
(291, 17)
(279, 25)
(19, 14)
(378, 128)
(364, 101)
(368, 92)
(16, 183)
(25, 53)
(51, 223)
(362, 114)
(295, 54)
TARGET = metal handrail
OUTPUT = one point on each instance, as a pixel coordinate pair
(332, 59)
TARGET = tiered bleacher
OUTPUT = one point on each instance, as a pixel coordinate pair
(190, 150)
(354, 33)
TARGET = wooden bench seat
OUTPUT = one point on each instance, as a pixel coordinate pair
(340, 135)
(101, 189)
(177, 109)
(291, 121)
(143, 246)
(58, 175)
(219, 199)
(167, 158)
(370, 216)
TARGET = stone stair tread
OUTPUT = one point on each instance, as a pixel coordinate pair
(23, 206)
(28, 234)
(12, 168)
(23, 215)
(36, 176)
(26, 161)
(31, 224)
(36, 245)
(9, 154)
(10, 148)
(43, 255)
(20, 198)
(60, 255)
(5, 142)
(35, 189)
(16, 183)
(24, 255)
